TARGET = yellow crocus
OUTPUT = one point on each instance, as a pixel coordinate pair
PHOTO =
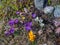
(23, 17)
(31, 36)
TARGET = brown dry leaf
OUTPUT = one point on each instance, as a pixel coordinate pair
(58, 41)
(58, 30)
(40, 32)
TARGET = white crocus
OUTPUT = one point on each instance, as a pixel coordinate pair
(36, 19)
(26, 10)
(40, 20)
(41, 24)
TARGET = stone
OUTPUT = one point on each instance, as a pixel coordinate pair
(39, 4)
(48, 9)
(57, 11)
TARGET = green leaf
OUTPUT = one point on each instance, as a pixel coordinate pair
(33, 43)
(16, 32)
(1, 6)
(14, 6)
(49, 2)
(8, 1)
(14, 0)
(3, 1)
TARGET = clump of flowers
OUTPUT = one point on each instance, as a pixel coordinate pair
(12, 22)
(31, 36)
(11, 31)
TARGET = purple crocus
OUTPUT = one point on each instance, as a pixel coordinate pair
(17, 12)
(28, 25)
(16, 21)
(7, 33)
(11, 31)
(11, 22)
(33, 15)
(27, 28)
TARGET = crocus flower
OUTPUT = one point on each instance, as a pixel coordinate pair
(16, 21)
(17, 12)
(33, 15)
(28, 24)
(31, 36)
(23, 17)
(7, 33)
(36, 19)
(26, 10)
(27, 28)
(11, 22)
(11, 31)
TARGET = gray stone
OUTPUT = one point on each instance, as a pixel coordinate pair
(57, 11)
(39, 4)
(48, 9)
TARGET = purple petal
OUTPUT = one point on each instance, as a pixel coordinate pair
(25, 9)
(16, 20)
(27, 28)
(17, 12)
(28, 24)
(11, 30)
(11, 22)
(33, 15)
(7, 33)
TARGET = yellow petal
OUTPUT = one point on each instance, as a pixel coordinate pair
(23, 17)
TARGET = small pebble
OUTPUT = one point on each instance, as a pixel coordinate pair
(57, 11)
(39, 4)
(48, 9)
